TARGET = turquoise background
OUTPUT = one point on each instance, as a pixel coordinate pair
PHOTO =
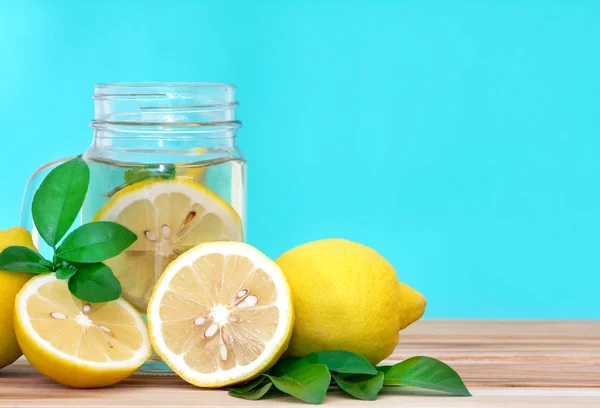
(458, 138)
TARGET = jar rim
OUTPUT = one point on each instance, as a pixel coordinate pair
(190, 130)
(166, 85)
(202, 106)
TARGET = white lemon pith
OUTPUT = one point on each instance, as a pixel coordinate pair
(76, 343)
(221, 314)
(10, 284)
(168, 217)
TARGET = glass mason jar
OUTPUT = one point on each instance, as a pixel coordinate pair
(165, 164)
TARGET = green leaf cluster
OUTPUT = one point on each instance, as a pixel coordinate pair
(309, 378)
(78, 256)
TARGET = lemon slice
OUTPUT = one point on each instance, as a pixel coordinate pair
(196, 173)
(221, 314)
(79, 344)
(168, 217)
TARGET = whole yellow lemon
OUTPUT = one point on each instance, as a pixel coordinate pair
(347, 297)
(10, 284)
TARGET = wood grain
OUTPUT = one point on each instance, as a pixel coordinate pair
(505, 364)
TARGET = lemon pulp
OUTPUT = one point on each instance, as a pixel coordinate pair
(77, 343)
(168, 217)
(221, 314)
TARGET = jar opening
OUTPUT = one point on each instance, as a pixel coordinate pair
(163, 85)
(196, 105)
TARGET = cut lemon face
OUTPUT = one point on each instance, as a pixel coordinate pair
(168, 217)
(75, 343)
(221, 314)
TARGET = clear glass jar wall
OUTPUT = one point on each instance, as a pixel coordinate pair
(164, 163)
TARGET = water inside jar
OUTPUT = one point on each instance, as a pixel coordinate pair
(170, 208)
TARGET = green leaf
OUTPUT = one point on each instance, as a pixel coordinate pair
(308, 383)
(361, 387)
(132, 176)
(339, 361)
(384, 369)
(95, 242)
(59, 198)
(254, 393)
(283, 366)
(66, 272)
(136, 175)
(95, 283)
(249, 385)
(166, 171)
(22, 259)
(47, 263)
(427, 373)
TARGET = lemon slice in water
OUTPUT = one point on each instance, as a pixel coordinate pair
(168, 217)
(76, 343)
(221, 314)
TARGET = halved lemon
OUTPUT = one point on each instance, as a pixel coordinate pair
(79, 344)
(168, 217)
(221, 314)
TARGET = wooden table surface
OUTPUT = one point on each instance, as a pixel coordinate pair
(523, 364)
